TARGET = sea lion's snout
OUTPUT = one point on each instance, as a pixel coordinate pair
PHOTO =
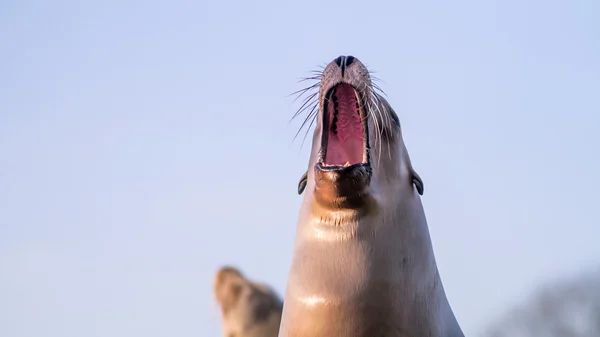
(345, 92)
(351, 114)
(343, 169)
(344, 62)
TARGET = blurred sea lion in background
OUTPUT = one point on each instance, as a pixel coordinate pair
(248, 309)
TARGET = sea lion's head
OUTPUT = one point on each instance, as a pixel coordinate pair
(357, 149)
(248, 309)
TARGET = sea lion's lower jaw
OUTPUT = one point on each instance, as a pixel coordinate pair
(343, 171)
(342, 187)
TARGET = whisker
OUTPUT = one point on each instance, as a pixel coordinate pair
(377, 88)
(389, 124)
(304, 90)
(309, 104)
(311, 115)
(369, 114)
(304, 79)
(313, 119)
(379, 129)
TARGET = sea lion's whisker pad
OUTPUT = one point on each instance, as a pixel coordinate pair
(363, 262)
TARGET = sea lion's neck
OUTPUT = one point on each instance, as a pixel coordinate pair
(386, 235)
(375, 264)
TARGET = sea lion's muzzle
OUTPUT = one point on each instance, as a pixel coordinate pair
(344, 138)
(343, 170)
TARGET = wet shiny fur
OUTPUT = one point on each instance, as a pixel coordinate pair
(363, 262)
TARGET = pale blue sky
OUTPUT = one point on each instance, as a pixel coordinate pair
(144, 144)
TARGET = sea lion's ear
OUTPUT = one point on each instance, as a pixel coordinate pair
(302, 182)
(416, 179)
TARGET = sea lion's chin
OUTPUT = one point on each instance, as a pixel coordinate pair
(342, 186)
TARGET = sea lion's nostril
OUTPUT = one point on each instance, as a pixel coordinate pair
(349, 60)
(343, 62)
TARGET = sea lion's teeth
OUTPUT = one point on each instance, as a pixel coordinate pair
(347, 163)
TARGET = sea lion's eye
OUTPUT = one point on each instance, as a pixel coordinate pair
(395, 117)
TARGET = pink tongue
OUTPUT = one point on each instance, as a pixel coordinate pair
(345, 138)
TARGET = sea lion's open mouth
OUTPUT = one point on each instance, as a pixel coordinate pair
(344, 143)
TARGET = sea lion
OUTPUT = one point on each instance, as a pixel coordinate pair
(248, 309)
(363, 263)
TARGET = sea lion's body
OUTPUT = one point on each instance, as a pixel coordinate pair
(363, 263)
(248, 309)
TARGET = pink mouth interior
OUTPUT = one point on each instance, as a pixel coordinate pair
(345, 140)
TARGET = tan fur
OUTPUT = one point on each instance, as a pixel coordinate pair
(363, 263)
(248, 309)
